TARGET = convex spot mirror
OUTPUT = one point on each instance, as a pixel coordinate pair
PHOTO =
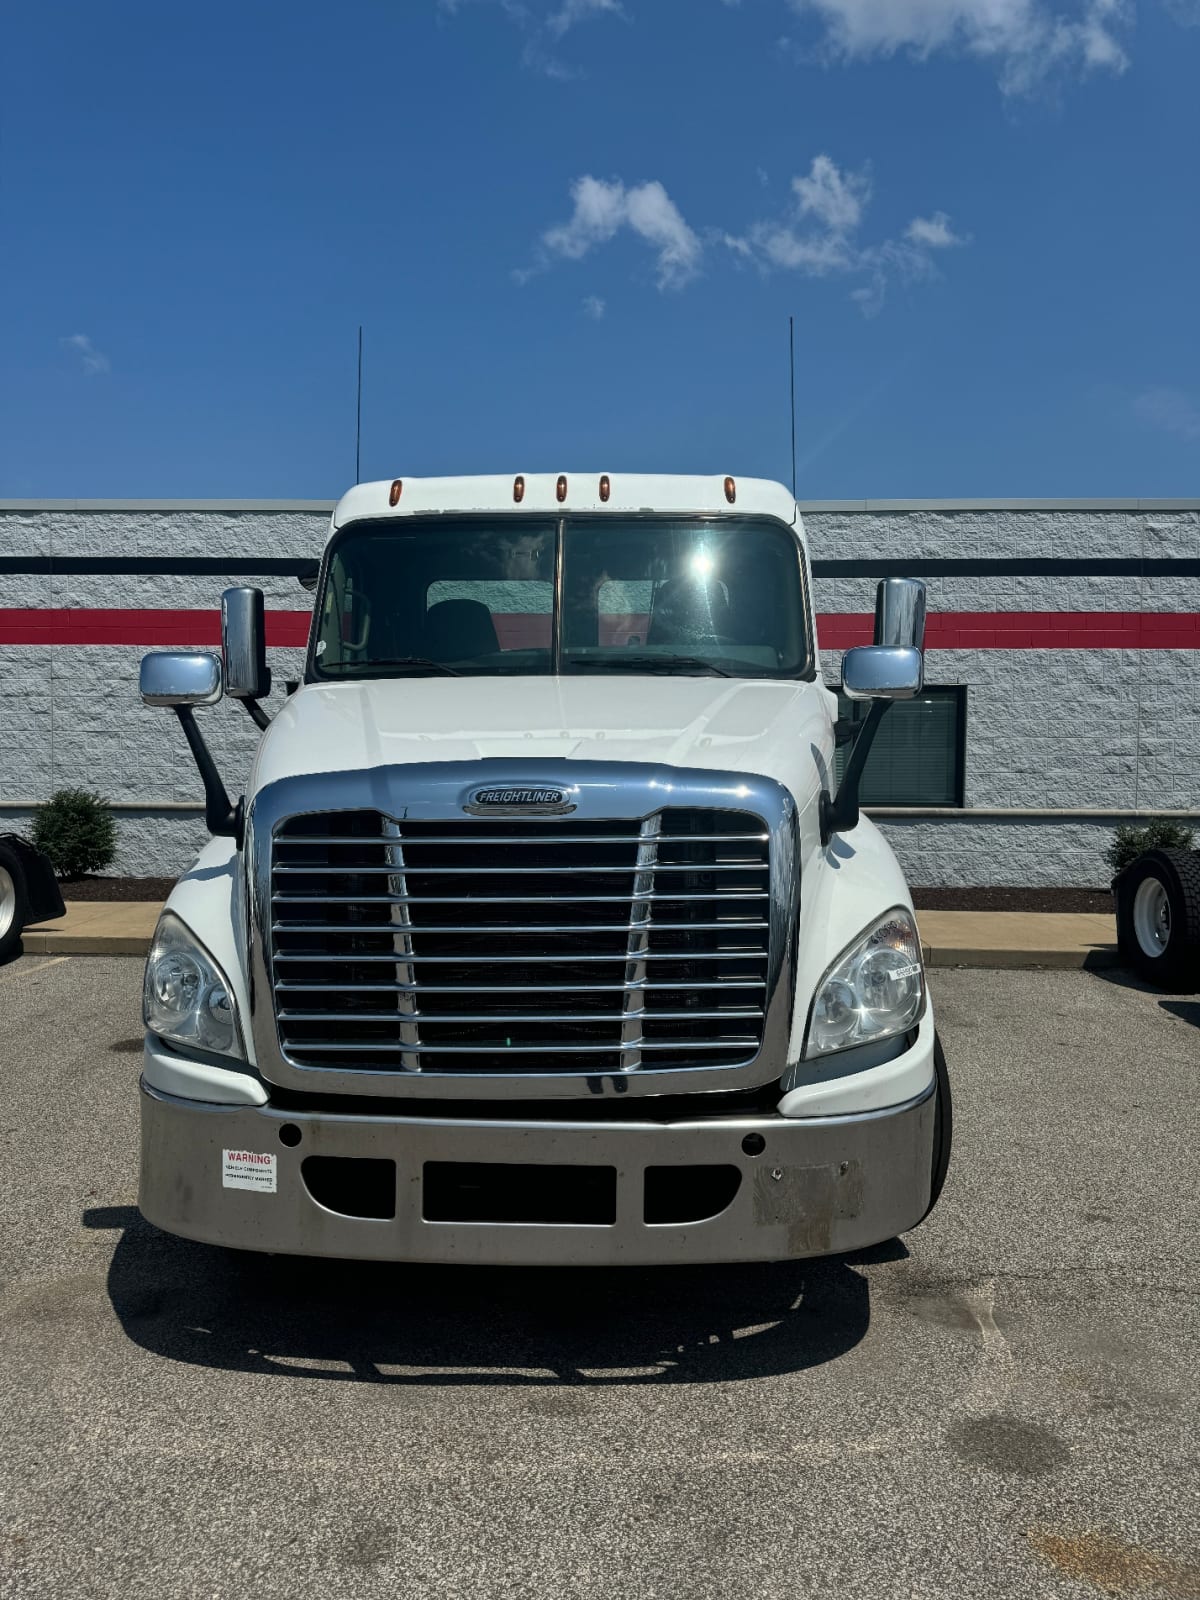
(244, 644)
(180, 678)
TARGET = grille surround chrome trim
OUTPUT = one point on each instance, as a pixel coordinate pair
(604, 792)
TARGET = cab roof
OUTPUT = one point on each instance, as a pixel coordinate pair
(558, 494)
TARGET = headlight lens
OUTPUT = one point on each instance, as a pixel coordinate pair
(186, 996)
(874, 989)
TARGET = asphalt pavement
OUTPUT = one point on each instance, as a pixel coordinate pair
(1003, 1403)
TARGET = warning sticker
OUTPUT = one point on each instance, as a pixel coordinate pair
(248, 1169)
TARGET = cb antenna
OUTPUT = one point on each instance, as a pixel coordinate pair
(792, 385)
(358, 416)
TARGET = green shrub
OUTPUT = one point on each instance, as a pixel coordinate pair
(1129, 842)
(76, 830)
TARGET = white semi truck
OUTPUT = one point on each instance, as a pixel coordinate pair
(544, 932)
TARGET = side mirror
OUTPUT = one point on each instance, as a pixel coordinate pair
(180, 678)
(893, 668)
(244, 644)
(882, 672)
(900, 613)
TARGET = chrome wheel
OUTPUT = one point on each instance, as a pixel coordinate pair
(8, 901)
(1152, 917)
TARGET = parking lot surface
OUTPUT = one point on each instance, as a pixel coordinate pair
(1003, 1403)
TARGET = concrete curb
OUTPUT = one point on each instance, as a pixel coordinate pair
(42, 942)
(949, 938)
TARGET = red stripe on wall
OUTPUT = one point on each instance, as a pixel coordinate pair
(947, 630)
(174, 628)
(1031, 630)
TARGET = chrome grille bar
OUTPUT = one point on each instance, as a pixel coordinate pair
(639, 941)
(513, 899)
(511, 872)
(402, 944)
(491, 961)
(539, 839)
(500, 988)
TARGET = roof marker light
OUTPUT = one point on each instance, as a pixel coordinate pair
(395, 491)
(518, 488)
(605, 487)
(730, 490)
(560, 488)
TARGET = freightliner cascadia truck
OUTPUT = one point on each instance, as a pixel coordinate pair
(546, 931)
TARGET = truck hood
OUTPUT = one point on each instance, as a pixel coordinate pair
(773, 729)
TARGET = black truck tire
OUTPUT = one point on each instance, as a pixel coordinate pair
(1158, 917)
(14, 902)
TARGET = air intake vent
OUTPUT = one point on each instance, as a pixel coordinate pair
(520, 945)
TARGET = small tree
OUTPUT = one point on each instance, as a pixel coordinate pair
(76, 830)
(1129, 842)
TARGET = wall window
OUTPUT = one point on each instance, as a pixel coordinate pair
(919, 754)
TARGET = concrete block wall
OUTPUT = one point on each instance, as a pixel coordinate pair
(1099, 724)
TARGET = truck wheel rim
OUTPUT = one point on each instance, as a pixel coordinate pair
(1152, 917)
(8, 901)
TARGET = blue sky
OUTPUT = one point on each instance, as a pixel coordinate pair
(574, 231)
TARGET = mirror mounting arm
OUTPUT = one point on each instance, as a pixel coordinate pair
(257, 715)
(840, 813)
(220, 816)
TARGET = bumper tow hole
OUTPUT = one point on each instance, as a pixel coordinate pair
(352, 1186)
(689, 1194)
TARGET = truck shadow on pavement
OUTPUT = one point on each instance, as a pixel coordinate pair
(1175, 1005)
(386, 1323)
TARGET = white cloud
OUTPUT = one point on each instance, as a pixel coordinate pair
(1025, 40)
(602, 208)
(835, 199)
(1185, 12)
(593, 307)
(575, 11)
(1170, 410)
(820, 236)
(90, 359)
(544, 27)
(934, 232)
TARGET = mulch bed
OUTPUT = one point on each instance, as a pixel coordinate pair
(1005, 899)
(996, 899)
(116, 888)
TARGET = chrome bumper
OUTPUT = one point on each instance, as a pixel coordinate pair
(819, 1185)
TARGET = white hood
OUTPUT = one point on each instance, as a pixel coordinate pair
(772, 729)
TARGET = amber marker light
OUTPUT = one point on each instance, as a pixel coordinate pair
(560, 488)
(605, 487)
(730, 490)
(518, 488)
(395, 491)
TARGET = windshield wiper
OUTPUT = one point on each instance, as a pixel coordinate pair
(637, 663)
(403, 661)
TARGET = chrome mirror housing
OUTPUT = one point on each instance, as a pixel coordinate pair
(900, 613)
(180, 678)
(883, 672)
(244, 644)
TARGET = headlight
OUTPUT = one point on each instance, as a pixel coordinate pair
(874, 989)
(186, 997)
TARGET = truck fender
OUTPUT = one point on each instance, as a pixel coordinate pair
(844, 887)
(209, 898)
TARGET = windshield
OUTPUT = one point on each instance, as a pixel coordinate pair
(523, 596)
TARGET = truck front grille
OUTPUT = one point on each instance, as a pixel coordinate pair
(520, 945)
